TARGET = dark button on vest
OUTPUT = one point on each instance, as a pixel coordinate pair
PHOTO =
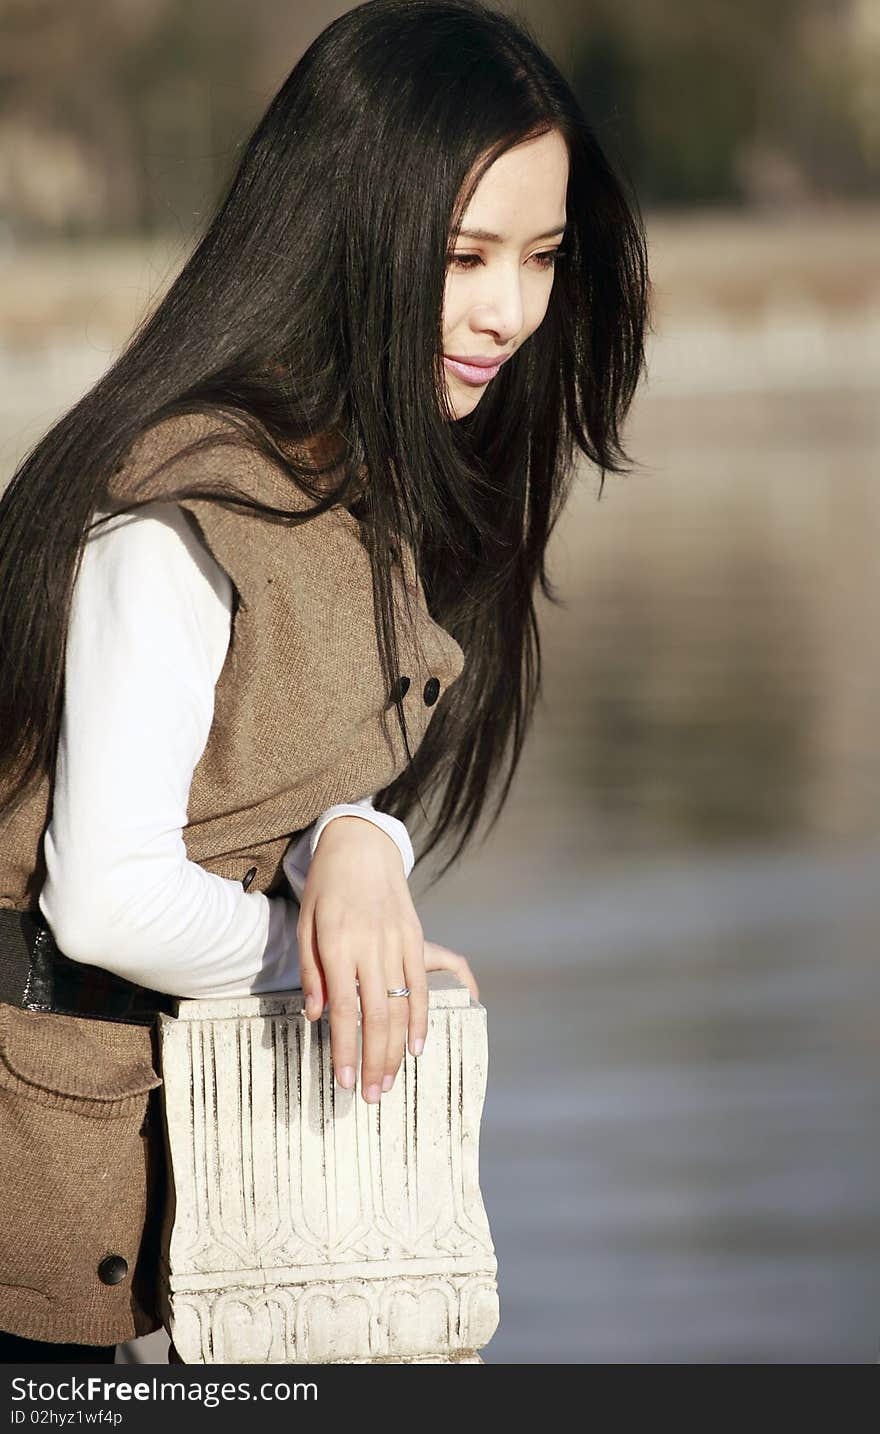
(112, 1270)
(432, 691)
(400, 688)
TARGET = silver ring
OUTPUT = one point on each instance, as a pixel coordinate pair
(398, 991)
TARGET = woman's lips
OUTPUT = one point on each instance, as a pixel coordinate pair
(473, 373)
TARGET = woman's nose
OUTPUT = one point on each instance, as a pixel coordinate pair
(499, 308)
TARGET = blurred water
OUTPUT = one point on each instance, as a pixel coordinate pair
(677, 1152)
(675, 922)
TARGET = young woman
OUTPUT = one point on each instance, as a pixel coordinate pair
(272, 580)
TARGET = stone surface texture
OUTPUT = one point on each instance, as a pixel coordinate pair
(306, 1226)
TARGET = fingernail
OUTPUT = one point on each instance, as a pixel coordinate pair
(373, 1093)
(387, 1082)
(346, 1077)
(418, 1046)
(312, 1006)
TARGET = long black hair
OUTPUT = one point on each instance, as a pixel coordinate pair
(310, 311)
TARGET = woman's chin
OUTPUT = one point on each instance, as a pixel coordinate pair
(462, 400)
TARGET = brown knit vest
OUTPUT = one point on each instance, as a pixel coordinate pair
(302, 717)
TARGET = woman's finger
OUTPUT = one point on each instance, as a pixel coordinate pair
(310, 973)
(398, 1017)
(417, 980)
(336, 956)
(440, 958)
(374, 1025)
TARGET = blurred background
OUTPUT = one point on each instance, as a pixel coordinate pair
(675, 922)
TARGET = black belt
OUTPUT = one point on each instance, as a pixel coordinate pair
(35, 975)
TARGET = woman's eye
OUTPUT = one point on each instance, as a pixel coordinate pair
(548, 258)
(545, 260)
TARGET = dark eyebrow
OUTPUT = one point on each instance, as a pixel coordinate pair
(489, 238)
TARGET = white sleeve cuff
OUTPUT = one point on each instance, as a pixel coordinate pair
(296, 863)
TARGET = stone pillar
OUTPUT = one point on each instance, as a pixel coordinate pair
(305, 1226)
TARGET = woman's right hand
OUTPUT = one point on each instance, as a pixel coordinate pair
(359, 935)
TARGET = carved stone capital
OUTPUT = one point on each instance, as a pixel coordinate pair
(305, 1226)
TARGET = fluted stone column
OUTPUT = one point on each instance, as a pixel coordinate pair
(305, 1226)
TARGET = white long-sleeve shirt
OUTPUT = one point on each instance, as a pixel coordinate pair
(149, 629)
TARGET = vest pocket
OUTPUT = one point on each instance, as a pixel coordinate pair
(78, 1177)
(101, 1069)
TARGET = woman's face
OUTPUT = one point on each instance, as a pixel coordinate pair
(500, 271)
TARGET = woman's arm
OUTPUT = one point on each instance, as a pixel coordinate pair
(148, 634)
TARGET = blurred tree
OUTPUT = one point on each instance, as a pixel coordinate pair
(153, 92)
(120, 115)
(694, 98)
